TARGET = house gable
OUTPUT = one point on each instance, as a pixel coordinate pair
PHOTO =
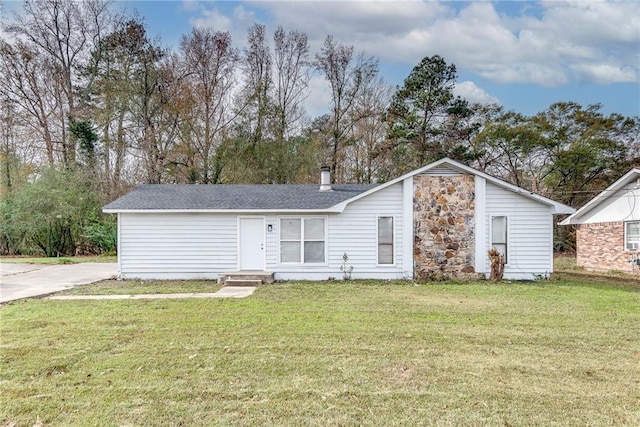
(601, 223)
(618, 202)
(447, 166)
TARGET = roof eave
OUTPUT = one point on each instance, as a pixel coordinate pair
(333, 209)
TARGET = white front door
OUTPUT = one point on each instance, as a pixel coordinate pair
(251, 252)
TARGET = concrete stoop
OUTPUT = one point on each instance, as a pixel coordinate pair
(245, 278)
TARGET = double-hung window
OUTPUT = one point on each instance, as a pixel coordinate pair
(385, 240)
(302, 240)
(632, 235)
(499, 235)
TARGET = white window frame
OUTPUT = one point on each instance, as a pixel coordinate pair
(393, 241)
(508, 236)
(302, 240)
(626, 236)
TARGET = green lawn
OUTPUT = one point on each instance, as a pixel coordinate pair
(320, 354)
(132, 287)
(58, 260)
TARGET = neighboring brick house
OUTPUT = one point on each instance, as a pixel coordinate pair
(435, 222)
(608, 227)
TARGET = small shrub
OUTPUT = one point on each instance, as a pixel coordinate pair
(346, 269)
(497, 265)
(101, 237)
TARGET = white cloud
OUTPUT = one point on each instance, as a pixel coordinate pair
(212, 18)
(190, 5)
(242, 15)
(472, 93)
(543, 43)
(319, 98)
(606, 73)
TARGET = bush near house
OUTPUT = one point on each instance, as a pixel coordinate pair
(59, 213)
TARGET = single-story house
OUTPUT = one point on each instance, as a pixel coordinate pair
(608, 227)
(437, 221)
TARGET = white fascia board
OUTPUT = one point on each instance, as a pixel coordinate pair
(332, 209)
(605, 194)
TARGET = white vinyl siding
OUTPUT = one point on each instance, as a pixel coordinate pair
(632, 235)
(353, 232)
(529, 232)
(167, 246)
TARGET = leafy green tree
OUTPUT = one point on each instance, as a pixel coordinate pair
(509, 147)
(52, 211)
(586, 150)
(426, 121)
(117, 65)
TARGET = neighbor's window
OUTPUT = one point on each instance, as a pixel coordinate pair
(302, 240)
(499, 234)
(632, 236)
(385, 240)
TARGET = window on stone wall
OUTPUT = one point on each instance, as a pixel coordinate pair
(632, 235)
(499, 234)
(385, 240)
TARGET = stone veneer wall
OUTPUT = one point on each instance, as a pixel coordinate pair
(444, 237)
(600, 246)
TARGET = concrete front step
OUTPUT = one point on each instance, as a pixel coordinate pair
(242, 282)
(246, 278)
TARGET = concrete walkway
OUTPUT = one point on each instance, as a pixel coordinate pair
(226, 292)
(31, 280)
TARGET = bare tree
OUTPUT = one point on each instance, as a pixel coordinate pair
(347, 76)
(156, 113)
(292, 74)
(257, 69)
(63, 31)
(28, 82)
(364, 157)
(211, 60)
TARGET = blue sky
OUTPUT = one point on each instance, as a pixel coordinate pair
(523, 55)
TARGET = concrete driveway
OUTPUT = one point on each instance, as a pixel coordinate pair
(30, 280)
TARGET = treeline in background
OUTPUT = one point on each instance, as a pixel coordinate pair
(91, 106)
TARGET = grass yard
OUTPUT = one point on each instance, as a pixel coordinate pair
(318, 354)
(58, 260)
(133, 287)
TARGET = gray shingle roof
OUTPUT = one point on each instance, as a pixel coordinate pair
(235, 197)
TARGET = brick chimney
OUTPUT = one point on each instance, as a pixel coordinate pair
(325, 178)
